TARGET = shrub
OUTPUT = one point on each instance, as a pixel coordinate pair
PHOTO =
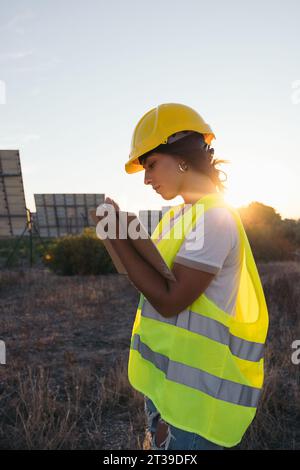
(82, 254)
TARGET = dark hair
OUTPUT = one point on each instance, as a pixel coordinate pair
(196, 153)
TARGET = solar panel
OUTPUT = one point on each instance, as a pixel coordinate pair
(12, 198)
(65, 214)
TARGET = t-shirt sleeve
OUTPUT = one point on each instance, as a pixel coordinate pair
(209, 243)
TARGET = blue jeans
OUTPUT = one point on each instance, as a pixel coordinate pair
(176, 439)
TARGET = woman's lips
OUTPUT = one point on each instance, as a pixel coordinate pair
(157, 188)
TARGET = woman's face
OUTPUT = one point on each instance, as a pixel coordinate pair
(162, 172)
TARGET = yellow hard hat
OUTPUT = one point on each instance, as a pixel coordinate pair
(158, 124)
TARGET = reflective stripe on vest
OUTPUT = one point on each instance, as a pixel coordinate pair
(205, 326)
(200, 380)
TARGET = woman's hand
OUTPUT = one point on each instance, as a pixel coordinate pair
(108, 200)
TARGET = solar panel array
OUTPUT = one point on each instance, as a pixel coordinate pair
(56, 214)
(12, 199)
(65, 214)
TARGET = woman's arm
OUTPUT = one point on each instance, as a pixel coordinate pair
(169, 298)
(145, 278)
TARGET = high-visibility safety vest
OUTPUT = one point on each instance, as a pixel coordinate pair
(203, 368)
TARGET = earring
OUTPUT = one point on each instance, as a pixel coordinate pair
(182, 169)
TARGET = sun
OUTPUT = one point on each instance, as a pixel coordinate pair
(250, 183)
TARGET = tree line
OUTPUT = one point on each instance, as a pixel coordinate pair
(271, 237)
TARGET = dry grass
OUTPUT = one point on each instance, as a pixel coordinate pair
(65, 384)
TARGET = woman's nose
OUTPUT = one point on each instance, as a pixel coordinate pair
(146, 179)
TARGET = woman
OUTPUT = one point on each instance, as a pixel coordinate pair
(196, 351)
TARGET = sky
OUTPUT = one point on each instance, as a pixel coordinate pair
(76, 76)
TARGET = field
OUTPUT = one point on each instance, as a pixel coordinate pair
(65, 386)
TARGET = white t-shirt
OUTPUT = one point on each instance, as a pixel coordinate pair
(213, 246)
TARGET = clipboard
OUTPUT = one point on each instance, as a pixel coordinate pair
(143, 244)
